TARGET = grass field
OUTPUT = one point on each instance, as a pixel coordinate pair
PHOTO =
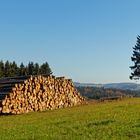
(117, 120)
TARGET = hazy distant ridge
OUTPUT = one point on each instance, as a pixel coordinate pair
(123, 86)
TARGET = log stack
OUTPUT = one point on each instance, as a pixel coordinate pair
(41, 93)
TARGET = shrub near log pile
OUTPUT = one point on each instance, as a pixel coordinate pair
(41, 93)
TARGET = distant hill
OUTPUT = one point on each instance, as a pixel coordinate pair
(122, 86)
(87, 85)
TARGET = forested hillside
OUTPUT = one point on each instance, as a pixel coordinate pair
(97, 92)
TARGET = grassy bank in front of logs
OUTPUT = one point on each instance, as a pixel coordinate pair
(106, 120)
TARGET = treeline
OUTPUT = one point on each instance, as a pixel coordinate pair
(97, 93)
(11, 69)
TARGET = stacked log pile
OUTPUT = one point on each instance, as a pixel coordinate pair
(41, 93)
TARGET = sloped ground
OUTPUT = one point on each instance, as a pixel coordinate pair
(117, 120)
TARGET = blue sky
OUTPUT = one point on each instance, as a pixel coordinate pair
(86, 40)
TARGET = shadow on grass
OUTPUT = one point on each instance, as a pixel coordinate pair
(60, 122)
(5, 114)
(138, 126)
(132, 135)
(104, 122)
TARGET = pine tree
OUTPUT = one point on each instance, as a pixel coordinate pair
(136, 59)
(7, 69)
(1, 69)
(30, 68)
(13, 69)
(45, 69)
(22, 70)
(36, 69)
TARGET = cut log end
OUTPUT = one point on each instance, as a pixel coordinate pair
(41, 93)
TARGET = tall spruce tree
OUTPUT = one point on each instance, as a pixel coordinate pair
(1, 69)
(45, 69)
(22, 70)
(136, 59)
(30, 68)
(7, 69)
(36, 69)
(13, 69)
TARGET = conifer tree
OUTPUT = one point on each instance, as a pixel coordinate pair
(36, 69)
(13, 69)
(45, 69)
(22, 70)
(136, 59)
(30, 68)
(1, 69)
(7, 69)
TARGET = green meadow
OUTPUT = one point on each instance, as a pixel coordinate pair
(115, 120)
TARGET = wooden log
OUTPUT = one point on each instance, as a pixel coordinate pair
(40, 93)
